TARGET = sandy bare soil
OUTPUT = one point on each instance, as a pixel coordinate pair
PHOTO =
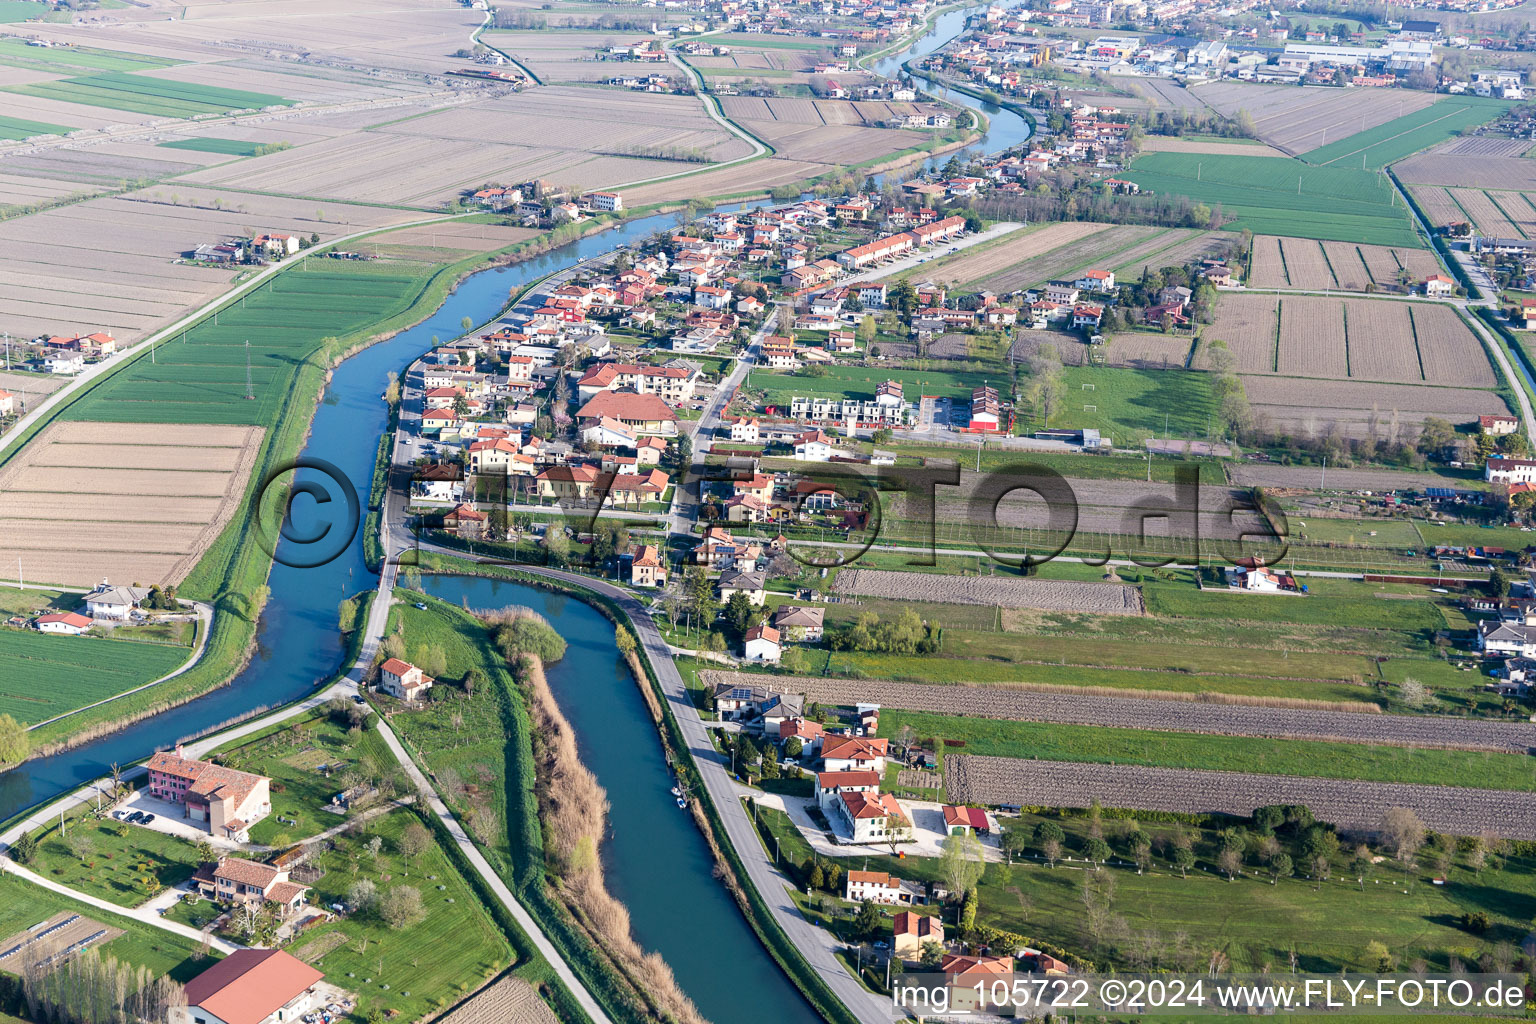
(136, 502)
(1456, 170)
(1296, 120)
(509, 1001)
(1046, 595)
(1348, 804)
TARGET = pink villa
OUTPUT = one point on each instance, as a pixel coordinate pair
(227, 801)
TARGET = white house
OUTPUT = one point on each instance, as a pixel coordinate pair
(876, 887)
(1101, 281)
(61, 361)
(403, 680)
(1260, 579)
(762, 644)
(814, 446)
(745, 431)
(68, 623)
(830, 786)
(868, 816)
(109, 602)
(854, 753)
(1506, 638)
(1510, 471)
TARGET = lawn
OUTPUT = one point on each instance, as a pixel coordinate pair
(23, 905)
(20, 128)
(1363, 611)
(199, 377)
(1406, 135)
(121, 90)
(422, 968)
(230, 147)
(1054, 742)
(49, 675)
(12, 11)
(1128, 406)
(860, 382)
(292, 757)
(1282, 196)
(122, 863)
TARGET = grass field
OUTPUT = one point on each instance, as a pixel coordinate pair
(71, 60)
(1406, 135)
(230, 147)
(20, 128)
(1100, 745)
(49, 675)
(1253, 923)
(120, 90)
(1272, 195)
(199, 377)
(860, 382)
(1128, 406)
(125, 864)
(12, 11)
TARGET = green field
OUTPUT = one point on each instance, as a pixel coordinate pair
(121, 863)
(20, 128)
(1406, 135)
(118, 90)
(49, 675)
(1099, 745)
(12, 11)
(1127, 406)
(71, 60)
(231, 147)
(860, 382)
(199, 377)
(1178, 922)
(1281, 196)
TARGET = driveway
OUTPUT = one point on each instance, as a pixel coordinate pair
(169, 820)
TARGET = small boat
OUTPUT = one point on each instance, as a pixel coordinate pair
(681, 802)
(677, 791)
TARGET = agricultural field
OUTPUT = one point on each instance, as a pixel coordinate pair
(559, 57)
(1213, 147)
(208, 144)
(1174, 248)
(75, 60)
(112, 263)
(140, 501)
(628, 137)
(1364, 339)
(1165, 94)
(1346, 803)
(20, 128)
(1143, 350)
(843, 145)
(989, 259)
(510, 1000)
(447, 242)
(1077, 247)
(121, 90)
(1456, 171)
(52, 675)
(199, 376)
(1387, 411)
(1296, 120)
(753, 178)
(1273, 196)
(1403, 136)
(1045, 595)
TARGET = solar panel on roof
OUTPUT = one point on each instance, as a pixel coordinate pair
(741, 693)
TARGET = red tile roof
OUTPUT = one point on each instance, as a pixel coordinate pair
(250, 985)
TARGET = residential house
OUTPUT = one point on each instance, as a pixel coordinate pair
(403, 680)
(867, 816)
(648, 569)
(1497, 424)
(809, 733)
(965, 820)
(644, 413)
(1507, 638)
(912, 931)
(7, 403)
(969, 980)
(63, 361)
(761, 643)
(1510, 471)
(797, 622)
(438, 481)
(232, 880)
(875, 887)
(68, 623)
(276, 246)
(750, 582)
(108, 602)
(830, 786)
(854, 753)
(813, 446)
(755, 704)
(229, 802)
(1100, 281)
(466, 521)
(253, 986)
(1439, 285)
(608, 432)
(1259, 579)
(607, 202)
(744, 431)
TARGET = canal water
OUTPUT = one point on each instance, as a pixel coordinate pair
(657, 862)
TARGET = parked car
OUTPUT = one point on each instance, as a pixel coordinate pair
(148, 818)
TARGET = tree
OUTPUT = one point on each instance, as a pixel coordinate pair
(1412, 693)
(1230, 862)
(739, 612)
(961, 863)
(625, 641)
(15, 741)
(1280, 866)
(1361, 866)
(793, 746)
(24, 848)
(1097, 851)
(817, 877)
(931, 956)
(557, 546)
(1498, 583)
(1183, 859)
(968, 908)
(867, 924)
(362, 897)
(413, 842)
(1015, 842)
(347, 615)
(401, 907)
(1404, 832)
(898, 830)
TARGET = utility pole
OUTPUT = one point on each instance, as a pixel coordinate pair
(250, 394)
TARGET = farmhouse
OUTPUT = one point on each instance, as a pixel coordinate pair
(253, 986)
(797, 622)
(1510, 471)
(878, 887)
(830, 786)
(403, 680)
(963, 820)
(229, 801)
(233, 880)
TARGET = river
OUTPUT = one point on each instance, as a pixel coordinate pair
(656, 860)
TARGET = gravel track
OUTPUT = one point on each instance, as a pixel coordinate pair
(1352, 805)
(1047, 595)
(1177, 715)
